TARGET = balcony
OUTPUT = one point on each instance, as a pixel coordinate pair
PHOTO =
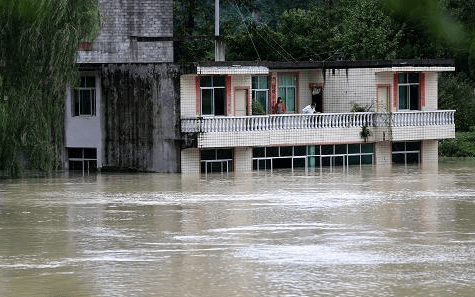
(301, 129)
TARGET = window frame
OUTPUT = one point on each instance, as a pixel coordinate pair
(84, 156)
(214, 89)
(284, 91)
(407, 85)
(78, 101)
(259, 90)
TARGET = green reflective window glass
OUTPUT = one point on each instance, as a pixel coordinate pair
(219, 81)
(403, 97)
(286, 151)
(402, 78)
(255, 82)
(340, 149)
(206, 81)
(327, 149)
(413, 146)
(300, 151)
(224, 154)
(414, 97)
(208, 154)
(272, 152)
(354, 160)
(263, 82)
(259, 152)
(353, 149)
(207, 101)
(219, 99)
(367, 148)
(413, 77)
(398, 146)
(366, 159)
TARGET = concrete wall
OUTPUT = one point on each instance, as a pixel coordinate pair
(141, 117)
(128, 31)
(343, 87)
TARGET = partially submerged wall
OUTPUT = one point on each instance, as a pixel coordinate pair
(141, 107)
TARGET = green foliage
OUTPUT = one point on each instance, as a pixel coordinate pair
(463, 145)
(257, 108)
(358, 108)
(456, 92)
(365, 133)
(366, 31)
(38, 43)
(356, 29)
(329, 30)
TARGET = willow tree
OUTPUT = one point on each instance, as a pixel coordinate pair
(38, 44)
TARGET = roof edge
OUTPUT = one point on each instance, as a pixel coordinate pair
(334, 64)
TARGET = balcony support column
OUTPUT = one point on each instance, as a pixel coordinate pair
(430, 154)
(243, 159)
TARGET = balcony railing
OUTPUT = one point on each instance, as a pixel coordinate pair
(316, 121)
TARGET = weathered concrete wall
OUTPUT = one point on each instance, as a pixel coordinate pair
(129, 33)
(141, 117)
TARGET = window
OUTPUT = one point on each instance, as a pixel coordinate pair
(213, 94)
(260, 91)
(288, 91)
(313, 156)
(406, 152)
(216, 160)
(82, 159)
(84, 97)
(408, 84)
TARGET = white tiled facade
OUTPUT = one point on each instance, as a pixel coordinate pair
(373, 88)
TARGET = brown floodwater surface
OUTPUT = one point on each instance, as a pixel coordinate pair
(359, 231)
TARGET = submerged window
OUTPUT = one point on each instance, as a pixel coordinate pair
(213, 95)
(260, 91)
(313, 156)
(84, 97)
(406, 152)
(216, 160)
(82, 159)
(288, 91)
(408, 84)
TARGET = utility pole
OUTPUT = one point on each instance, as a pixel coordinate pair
(218, 41)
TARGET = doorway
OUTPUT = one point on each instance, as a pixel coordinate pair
(241, 102)
(317, 97)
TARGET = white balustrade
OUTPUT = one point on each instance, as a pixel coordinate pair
(317, 121)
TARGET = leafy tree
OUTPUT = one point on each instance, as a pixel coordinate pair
(456, 92)
(38, 43)
(366, 31)
(358, 29)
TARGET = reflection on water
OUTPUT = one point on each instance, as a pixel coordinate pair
(400, 231)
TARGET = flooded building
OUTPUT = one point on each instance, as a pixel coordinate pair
(366, 112)
(135, 109)
(125, 113)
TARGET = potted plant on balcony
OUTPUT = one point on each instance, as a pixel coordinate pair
(365, 132)
(257, 108)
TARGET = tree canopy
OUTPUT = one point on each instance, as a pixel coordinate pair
(331, 29)
(38, 44)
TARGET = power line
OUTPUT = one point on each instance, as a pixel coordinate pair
(285, 54)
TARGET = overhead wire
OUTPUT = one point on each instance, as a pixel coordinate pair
(282, 52)
(247, 29)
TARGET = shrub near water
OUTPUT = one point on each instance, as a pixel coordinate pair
(463, 145)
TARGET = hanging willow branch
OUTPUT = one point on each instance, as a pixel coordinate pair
(38, 44)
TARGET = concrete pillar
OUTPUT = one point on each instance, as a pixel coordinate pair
(243, 159)
(190, 161)
(383, 153)
(430, 154)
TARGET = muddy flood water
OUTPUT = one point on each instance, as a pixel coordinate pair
(402, 231)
